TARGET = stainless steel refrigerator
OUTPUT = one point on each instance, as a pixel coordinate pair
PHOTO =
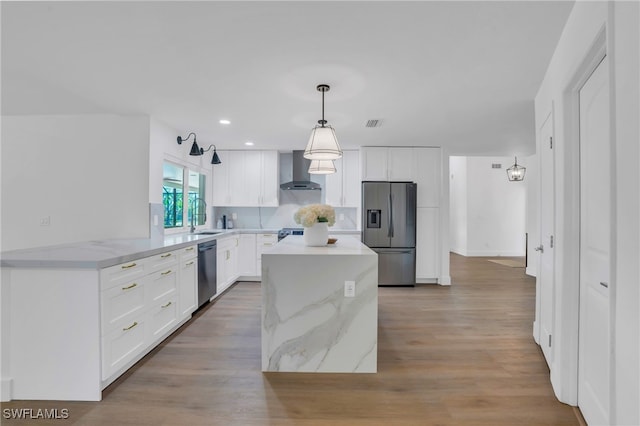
(389, 229)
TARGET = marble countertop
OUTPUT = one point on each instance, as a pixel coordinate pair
(294, 245)
(98, 254)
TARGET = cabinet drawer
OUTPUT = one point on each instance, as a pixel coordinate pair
(188, 252)
(162, 317)
(119, 302)
(162, 283)
(122, 345)
(114, 275)
(162, 260)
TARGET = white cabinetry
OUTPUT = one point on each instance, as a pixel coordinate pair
(388, 164)
(264, 242)
(342, 189)
(422, 165)
(226, 262)
(188, 281)
(247, 256)
(246, 179)
(142, 302)
(427, 243)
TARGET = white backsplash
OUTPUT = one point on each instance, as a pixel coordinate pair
(282, 216)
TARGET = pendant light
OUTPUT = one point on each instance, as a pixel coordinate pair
(516, 173)
(323, 143)
(322, 167)
(215, 159)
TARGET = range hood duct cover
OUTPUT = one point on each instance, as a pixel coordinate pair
(301, 177)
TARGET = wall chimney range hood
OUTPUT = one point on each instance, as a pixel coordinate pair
(301, 178)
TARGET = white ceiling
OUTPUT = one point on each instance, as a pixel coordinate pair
(456, 74)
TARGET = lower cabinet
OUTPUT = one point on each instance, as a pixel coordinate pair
(141, 309)
(226, 262)
(247, 256)
(264, 242)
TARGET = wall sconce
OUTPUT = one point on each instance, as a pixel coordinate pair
(215, 159)
(197, 151)
(516, 173)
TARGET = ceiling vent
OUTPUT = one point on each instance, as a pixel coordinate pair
(373, 123)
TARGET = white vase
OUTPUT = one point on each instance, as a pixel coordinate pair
(316, 235)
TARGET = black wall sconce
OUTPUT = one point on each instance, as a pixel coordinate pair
(196, 150)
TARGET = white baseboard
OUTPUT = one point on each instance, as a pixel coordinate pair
(426, 281)
(5, 389)
(536, 332)
(445, 280)
(530, 271)
(248, 278)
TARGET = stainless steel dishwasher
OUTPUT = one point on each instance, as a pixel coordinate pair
(206, 271)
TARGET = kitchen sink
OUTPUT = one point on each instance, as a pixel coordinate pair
(208, 232)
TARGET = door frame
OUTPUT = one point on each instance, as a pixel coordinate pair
(564, 373)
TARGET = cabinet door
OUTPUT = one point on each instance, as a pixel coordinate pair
(247, 255)
(374, 163)
(188, 286)
(237, 192)
(401, 164)
(351, 184)
(232, 272)
(221, 180)
(428, 176)
(427, 243)
(270, 177)
(252, 177)
(221, 268)
(333, 184)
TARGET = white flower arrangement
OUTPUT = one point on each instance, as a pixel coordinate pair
(307, 216)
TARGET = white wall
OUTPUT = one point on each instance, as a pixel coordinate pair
(620, 22)
(486, 207)
(89, 174)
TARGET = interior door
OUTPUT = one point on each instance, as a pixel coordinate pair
(546, 283)
(595, 178)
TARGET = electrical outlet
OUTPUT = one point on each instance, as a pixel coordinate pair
(349, 289)
(234, 216)
(45, 221)
(341, 216)
(155, 220)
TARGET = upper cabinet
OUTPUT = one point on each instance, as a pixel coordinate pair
(388, 164)
(246, 179)
(342, 188)
(421, 165)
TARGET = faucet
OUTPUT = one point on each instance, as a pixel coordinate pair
(194, 202)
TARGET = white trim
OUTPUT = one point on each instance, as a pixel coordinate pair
(493, 253)
(564, 369)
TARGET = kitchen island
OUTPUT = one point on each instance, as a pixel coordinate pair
(320, 307)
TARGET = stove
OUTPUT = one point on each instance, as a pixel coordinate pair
(289, 231)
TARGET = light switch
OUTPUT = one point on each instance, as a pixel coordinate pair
(349, 289)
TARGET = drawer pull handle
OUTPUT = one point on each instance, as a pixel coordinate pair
(128, 266)
(166, 306)
(165, 273)
(129, 287)
(131, 326)
(190, 263)
(189, 249)
(605, 285)
(165, 255)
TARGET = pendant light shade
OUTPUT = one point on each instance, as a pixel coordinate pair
(323, 143)
(516, 173)
(322, 167)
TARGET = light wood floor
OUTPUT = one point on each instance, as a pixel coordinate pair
(459, 355)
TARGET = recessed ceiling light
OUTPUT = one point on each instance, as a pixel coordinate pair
(249, 143)
(225, 122)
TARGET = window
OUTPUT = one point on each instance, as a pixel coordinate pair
(176, 213)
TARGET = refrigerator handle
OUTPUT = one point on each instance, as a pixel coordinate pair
(390, 233)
